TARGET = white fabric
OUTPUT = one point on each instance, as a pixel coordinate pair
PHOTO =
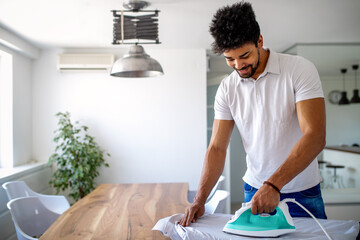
(265, 114)
(210, 227)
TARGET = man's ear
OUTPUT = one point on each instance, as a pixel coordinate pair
(260, 41)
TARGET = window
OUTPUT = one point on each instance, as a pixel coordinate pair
(6, 111)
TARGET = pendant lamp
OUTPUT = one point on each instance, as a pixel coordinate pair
(140, 27)
(355, 98)
(136, 64)
(343, 100)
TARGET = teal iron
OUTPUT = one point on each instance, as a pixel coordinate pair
(261, 225)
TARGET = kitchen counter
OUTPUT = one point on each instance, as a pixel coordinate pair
(340, 196)
(349, 149)
(342, 204)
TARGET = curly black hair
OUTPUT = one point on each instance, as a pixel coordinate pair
(233, 26)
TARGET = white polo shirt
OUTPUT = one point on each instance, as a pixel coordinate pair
(265, 114)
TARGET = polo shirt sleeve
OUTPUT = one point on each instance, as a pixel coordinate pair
(307, 84)
(221, 104)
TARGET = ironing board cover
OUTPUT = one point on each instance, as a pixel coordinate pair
(210, 227)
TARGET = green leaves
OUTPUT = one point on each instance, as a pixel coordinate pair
(77, 156)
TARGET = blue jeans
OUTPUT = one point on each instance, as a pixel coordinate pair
(310, 198)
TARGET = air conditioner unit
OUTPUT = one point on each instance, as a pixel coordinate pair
(84, 62)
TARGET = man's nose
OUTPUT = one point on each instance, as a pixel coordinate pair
(238, 64)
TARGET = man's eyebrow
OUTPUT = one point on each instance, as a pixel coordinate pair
(242, 55)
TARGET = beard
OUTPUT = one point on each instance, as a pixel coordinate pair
(253, 68)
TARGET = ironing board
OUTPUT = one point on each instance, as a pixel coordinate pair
(210, 226)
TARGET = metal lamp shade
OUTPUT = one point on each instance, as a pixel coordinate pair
(136, 64)
(355, 98)
(343, 100)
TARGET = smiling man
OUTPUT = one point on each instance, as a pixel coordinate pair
(277, 103)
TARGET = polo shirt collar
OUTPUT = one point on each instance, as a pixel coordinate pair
(272, 65)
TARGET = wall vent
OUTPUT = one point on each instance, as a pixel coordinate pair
(84, 62)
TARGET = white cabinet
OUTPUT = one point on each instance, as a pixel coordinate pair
(350, 159)
(343, 204)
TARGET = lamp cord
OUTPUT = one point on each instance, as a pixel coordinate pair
(122, 27)
(355, 80)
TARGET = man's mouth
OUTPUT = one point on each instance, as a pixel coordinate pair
(244, 70)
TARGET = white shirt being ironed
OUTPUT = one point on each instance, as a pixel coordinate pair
(265, 114)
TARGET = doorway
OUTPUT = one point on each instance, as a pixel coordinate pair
(235, 165)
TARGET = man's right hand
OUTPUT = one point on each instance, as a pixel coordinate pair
(192, 213)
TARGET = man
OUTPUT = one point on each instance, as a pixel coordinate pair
(277, 103)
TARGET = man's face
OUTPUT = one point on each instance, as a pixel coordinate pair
(245, 60)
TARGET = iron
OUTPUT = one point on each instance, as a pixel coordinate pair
(261, 225)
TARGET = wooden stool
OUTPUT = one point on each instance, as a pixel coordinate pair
(335, 179)
(321, 164)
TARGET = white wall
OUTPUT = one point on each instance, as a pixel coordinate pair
(342, 121)
(154, 128)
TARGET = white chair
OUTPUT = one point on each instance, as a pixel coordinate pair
(55, 203)
(192, 193)
(31, 218)
(217, 202)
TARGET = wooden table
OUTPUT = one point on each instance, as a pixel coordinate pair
(120, 211)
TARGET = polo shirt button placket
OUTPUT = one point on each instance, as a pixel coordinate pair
(257, 94)
(259, 99)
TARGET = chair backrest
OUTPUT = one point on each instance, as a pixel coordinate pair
(31, 218)
(217, 202)
(216, 187)
(192, 193)
(16, 189)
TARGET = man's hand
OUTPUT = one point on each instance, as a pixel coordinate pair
(265, 200)
(192, 213)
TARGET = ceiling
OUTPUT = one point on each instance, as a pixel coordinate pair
(182, 23)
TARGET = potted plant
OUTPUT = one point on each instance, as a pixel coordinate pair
(77, 157)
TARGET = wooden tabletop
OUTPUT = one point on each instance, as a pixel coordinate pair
(120, 211)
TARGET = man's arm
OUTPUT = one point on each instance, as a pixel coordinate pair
(212, 169)
(312, 121)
